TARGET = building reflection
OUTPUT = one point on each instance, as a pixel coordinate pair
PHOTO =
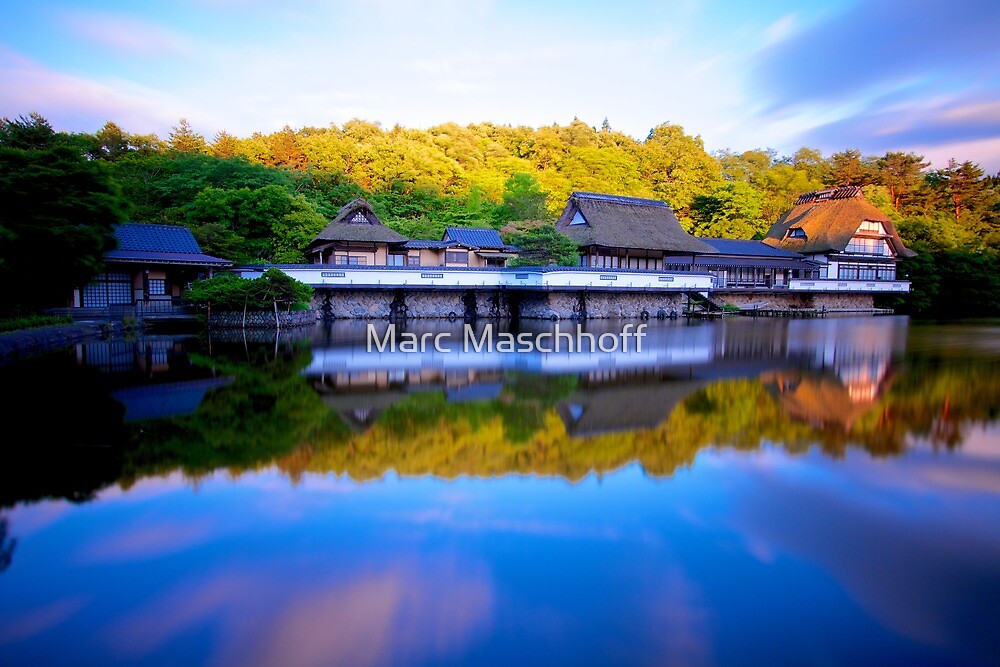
(152, 376)
(825, 372)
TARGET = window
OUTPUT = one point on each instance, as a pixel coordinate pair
(456, 257)
(866, 272)
(578, 219)
(396, 259)
(340, 259)
(359, 219)
(357, 261)
(871, 227)
(108, 289)
(413, 260)
(796, 233)
(157, 287)
(860, 245)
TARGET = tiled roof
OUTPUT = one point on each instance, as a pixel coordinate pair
(164, 244)
(476, 237)
(156, 238)
(749, 248)
(420, 244)
(136, 256)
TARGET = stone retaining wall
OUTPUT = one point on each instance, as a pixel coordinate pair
(387, 303)
(261, 319)
(796, 300)
(383, 304)
(600, 305)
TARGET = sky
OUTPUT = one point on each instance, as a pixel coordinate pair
(876, 75)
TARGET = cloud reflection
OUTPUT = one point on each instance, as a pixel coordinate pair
(406, 613)
(918, 559)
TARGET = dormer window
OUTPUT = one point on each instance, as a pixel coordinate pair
(796, 233)
(578, 219)
(871, 227)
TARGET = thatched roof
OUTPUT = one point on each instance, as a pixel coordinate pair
(356, 221)
(829, 219)
(616, 408)
(626, 222)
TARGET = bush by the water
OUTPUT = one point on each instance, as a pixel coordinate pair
(228, 291)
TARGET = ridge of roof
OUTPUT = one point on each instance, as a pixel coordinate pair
(830, 194)
(620, 199)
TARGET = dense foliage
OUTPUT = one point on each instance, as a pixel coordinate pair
(263, 197)
(59, 208)
(227, 291)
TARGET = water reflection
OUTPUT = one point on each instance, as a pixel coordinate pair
(748, 492)
(322, 403)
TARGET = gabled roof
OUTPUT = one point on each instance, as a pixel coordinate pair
(356, 221)
(626, 222)
(474, 237)
(828, 219)
(749, 248)
(161, 244)
(738, 252)
(615, 408)
(421, 244)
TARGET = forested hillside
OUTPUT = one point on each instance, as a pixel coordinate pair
(263, 197)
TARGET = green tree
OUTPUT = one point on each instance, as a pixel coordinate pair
(812, 162)
(732, 210)
(677, 166)
(900, 173)
(539, 244)
(961, 183)
(523, 199)
(850, 168)
(184, 139)
(55, 202)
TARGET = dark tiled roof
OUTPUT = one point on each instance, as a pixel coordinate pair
(474, 237)
(419, 244)
(749, 248)
(156, 238)
(829, 222)
(159, 401)
(627, 222)
(356, 221)
(164, 258)
(164, 244)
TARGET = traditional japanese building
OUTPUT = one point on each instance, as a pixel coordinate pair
(151, 265)
(752, 264)
(846, 235)
(356, 237)
(628, 233)
(464, 246)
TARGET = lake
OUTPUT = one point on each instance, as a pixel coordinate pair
(744, 491)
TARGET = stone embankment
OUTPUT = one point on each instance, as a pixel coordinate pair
(17, 344)
(260, 319)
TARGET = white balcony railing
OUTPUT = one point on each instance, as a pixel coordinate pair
(834, 285)
(537, 278)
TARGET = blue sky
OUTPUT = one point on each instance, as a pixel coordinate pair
(886, 75)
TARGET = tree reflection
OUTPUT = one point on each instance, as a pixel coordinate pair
(267, 412)
(7, 544)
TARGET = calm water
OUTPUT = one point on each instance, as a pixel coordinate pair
(821, 492)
